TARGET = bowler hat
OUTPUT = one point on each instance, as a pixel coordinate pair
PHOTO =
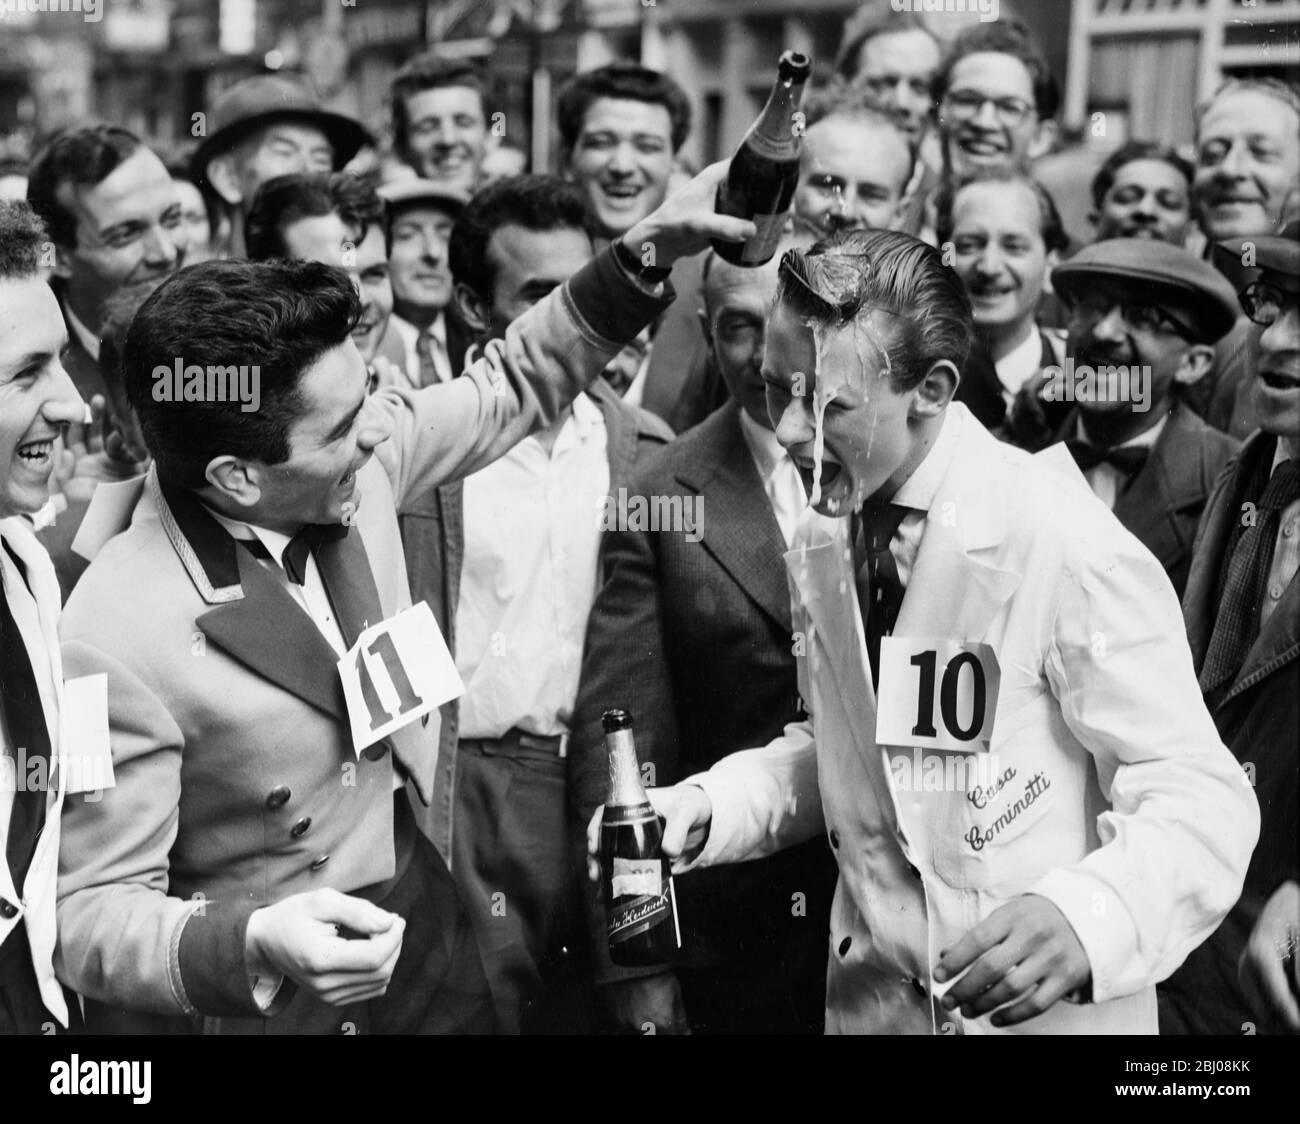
(401, 192)
(256, 101)
(1175, 279)
(1243, 260)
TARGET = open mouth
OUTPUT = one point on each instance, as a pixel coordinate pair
(1278, 380)
(979, 146)
(990, 294)
(36, 455)
(807, 469)
(620, 194)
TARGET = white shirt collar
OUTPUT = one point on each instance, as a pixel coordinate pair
(88, 339)
(767, 451)
(919, 489)
(1020, 364)
(274, 541)
(1282, 453)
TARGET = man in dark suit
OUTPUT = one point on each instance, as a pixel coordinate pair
(1154, 311)
(692, 634)
(1242, 608)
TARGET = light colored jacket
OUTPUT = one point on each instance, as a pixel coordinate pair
(1143, 831)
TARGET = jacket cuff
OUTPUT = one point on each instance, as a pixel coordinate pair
(610, 303)
(1102, 922)
(212, 964)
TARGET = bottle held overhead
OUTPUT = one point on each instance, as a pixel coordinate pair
(764, 172)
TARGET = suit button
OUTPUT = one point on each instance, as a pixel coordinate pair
(835, 839)
(278, 797)
(7, 909)
(844, 946)
(319, 861)
(375, 752)
(300, 828)
(918, 987)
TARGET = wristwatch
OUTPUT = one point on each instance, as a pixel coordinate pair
(647, 274)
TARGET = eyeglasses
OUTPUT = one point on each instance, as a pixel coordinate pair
(963, 105)
(1141, 317)
(1265, 303)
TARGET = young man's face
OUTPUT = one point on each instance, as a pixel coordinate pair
(867, 427)
(852, 175)
(421, 277)
(1277, 376)
(736, 306)
(129, 235)
(622, 159)
(37, 399)
(1149, 199)
(896, 71)
(1111, 324)
(988, 119)
(1247, 163)
(338, 430)
(328, 239)
(282, 148)
(528, 264)
(447, 135)
(998, 251)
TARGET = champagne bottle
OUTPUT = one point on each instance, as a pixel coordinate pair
(640, 905)
(765, 170)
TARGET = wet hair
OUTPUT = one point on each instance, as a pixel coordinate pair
(1003, 37)
(22, 240)
(871, 19)
(280, 316)
(82, 155)
(531, 201)
(282, 201)
(1131, 152)
(843, 278)
(626, 81)
(1050, 226)
(429, 72)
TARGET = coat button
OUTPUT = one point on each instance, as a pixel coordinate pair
(278, 797)
(835, 839)
(7, 909)
(319, 861)
(918, 987)
(844, 946)
(300, 828)
(376, 751)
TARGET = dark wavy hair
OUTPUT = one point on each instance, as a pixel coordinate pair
(84, 155)
(282, 201)
(1134, 150)
(627, 81)
(280, 316)
(429, 72)
(844, 277)
(22, 237)
(1003, 37)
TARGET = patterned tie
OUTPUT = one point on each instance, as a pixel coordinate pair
(1129, 459)
(1237, 625)
(880, 590)
(432, 358)
(25, 717)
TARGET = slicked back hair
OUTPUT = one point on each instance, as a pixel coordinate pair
(625, 81)
(1003, 37)
(531, 201)
(82, 155)
(844, 278)
(1050, 226)
(282, 201)
(279, 316)
(22, 240)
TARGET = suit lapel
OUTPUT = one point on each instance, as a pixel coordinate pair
(1277, 642)
(345, 570)
(740, 528)
(1168, 483)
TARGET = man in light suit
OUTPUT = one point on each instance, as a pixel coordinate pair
(38, 401)
(1106, 830)
(691, 633)
(250, 830)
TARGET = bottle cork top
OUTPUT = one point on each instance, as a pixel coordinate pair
(613, 720)
(794, 66)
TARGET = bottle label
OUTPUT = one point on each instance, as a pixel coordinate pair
(640, 914)
(764, 243)
(784, 146)
(637, 878)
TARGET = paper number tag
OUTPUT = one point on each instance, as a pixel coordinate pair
(83, 730)
(936, 694)
(397, 671)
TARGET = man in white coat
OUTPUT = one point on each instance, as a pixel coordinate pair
(1034, 818)
(37, 403)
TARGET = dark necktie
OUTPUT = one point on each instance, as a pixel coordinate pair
(425, 346)
(25, 718)
(1237, 625)
(303, 544)
(880, 590)
(1129, 459)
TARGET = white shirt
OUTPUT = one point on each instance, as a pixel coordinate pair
(532, 537)
(635, 393)
(918, 492)
(1286, 551)
(1105, 480)
(410, 336)
(1019, 365)
(777, 471)
(88, 339)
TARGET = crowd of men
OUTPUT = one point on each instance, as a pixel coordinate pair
(304, 429)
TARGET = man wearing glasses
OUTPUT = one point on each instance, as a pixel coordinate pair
(1242, 609)
(1147, 315)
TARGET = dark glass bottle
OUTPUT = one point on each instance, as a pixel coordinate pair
(640, 906)
(765, 169)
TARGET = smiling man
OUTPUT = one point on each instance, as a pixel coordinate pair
(1144, 190)
(1118, 830)
(440, 121)
(37, 403)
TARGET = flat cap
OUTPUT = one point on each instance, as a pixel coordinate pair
(1167, 275)
(400, 192)
(1244, 260)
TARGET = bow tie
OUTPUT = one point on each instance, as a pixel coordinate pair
(1129, 459)
(300, 546)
